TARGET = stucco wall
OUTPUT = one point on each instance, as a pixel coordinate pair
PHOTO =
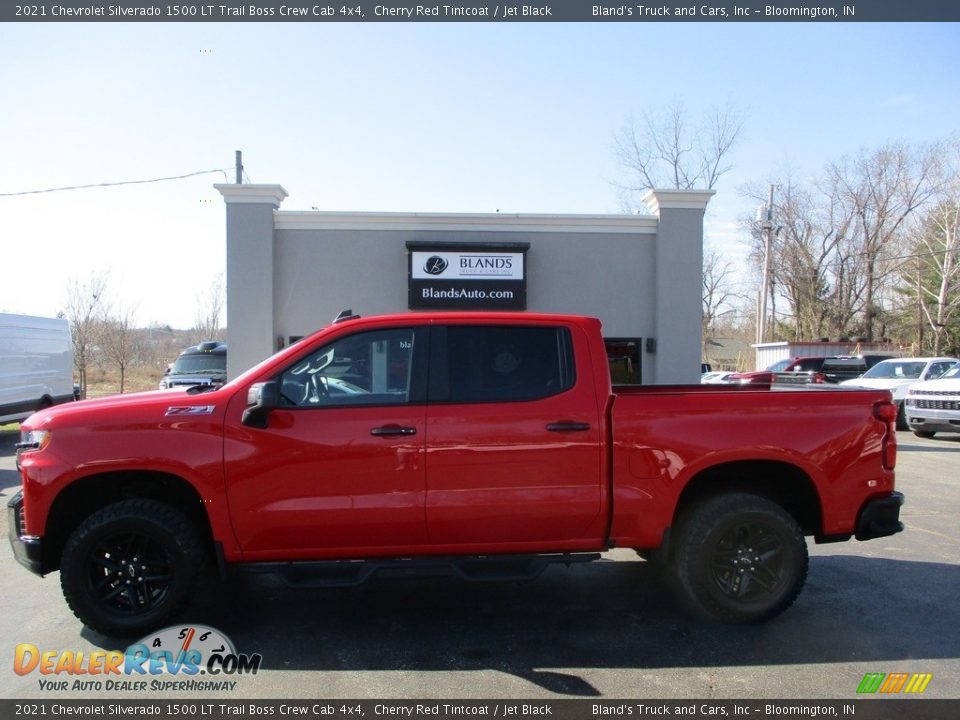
(318, 273)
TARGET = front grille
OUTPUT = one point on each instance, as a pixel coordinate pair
(938, 393)
(930, 404)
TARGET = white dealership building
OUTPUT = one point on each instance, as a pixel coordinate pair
(290, 272)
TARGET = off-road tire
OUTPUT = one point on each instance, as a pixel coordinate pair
(739, 558)
(902, 418)
(131, 567)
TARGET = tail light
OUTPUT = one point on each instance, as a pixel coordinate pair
(887, 413)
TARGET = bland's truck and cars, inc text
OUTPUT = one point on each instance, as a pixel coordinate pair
(486, 444)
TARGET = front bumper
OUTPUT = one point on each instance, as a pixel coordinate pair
(27, 549)
(880, 517)
(933, 418)
(929, 423)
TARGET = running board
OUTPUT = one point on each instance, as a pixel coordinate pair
(474, 568)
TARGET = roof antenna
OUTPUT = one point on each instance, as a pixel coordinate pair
(345, 315)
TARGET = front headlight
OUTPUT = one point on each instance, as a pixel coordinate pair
(31, 440)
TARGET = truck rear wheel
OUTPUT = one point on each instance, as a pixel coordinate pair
(740, 558)
(131, 567)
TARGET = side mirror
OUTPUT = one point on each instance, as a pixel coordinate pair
(261, 399)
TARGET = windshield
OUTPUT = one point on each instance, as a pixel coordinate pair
(905, 370)
(207, 364)
(952, 372)
(780, 366)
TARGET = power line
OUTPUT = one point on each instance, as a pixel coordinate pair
(114, 184)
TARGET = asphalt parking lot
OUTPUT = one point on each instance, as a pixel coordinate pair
(609, 629)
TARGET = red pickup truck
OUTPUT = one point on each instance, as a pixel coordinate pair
(486, 444)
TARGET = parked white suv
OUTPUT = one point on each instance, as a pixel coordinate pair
(898, 374)
(934, 406)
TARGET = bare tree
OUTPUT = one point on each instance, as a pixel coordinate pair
(842, 238)
(719, 297)
(808, 268)
(670, 151)
(881, 189)
(937, 248)
(209, 312)
(85, 309)
(121, 342)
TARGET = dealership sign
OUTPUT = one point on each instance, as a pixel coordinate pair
(467, 277)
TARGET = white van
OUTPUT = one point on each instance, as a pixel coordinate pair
(36, 364)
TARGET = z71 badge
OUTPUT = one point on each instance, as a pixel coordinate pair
(190, 410)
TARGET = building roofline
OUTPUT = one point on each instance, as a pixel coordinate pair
(252, 194)
(515, 222)
(670, 199)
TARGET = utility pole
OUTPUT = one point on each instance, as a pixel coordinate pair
(919, 350)
(773, 304)
(239, 163)
(765, 219)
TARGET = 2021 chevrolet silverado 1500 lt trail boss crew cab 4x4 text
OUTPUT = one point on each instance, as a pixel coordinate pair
(486, 443)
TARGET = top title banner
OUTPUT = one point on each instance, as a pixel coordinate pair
(471, 11)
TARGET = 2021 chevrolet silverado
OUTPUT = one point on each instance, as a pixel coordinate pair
(487, 443)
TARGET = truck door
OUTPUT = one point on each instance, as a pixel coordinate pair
(339, 470)
(513, 440)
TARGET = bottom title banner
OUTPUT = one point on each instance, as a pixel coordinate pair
(448, 709)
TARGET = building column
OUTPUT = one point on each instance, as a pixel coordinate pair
(250, 333)
(679, 284)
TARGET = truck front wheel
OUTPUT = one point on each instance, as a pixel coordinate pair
(740, 558)
(131, 567)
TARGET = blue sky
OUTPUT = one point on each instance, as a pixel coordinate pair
(405, 117)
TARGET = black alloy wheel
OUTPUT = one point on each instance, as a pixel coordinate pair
(131, 567)
(739, 557)
(748, 562)
(129, 572)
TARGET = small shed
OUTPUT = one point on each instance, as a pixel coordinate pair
(769, 353)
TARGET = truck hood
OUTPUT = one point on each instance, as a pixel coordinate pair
(947, 385)
(150, 405)
(198, 376)
(878, 383)
(897, 387)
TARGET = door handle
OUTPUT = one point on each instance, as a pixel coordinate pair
(388, 430)
(568, 427)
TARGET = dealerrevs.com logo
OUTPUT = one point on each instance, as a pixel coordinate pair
(174, 658)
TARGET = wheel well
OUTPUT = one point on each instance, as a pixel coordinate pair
(83, 497)
(782, 483)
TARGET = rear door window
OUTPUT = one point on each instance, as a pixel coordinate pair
(482, 363)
